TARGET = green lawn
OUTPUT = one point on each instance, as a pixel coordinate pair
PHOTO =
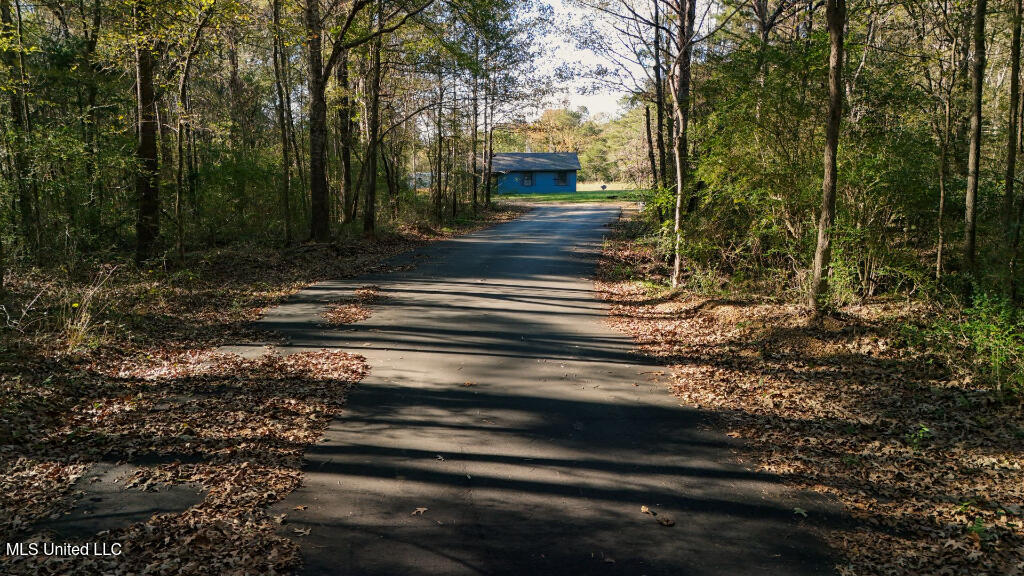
(580, 196)
(596, 186)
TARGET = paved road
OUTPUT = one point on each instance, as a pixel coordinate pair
(501, 403)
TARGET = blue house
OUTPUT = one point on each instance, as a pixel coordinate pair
(535, 173)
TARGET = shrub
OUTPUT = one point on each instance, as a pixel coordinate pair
(984, 341)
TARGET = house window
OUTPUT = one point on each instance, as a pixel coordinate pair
(561, 178)
(527, 179)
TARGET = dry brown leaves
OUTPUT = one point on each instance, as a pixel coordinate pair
(931, 469)
(354, 309)
(236, 427)
(338, 314)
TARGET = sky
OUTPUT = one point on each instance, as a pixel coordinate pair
(565, 51)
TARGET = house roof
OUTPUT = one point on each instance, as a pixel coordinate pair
(535, 161)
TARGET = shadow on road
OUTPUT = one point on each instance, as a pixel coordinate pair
(506, 429)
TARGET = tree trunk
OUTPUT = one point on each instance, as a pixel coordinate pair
(1015, 248)
(345, 136)
(370, 206)
(974, 152)
(659, 96)
(297, 152)
(319, 216)
(476, 119)
(94, 204)
(686, 12)
(943, 161)
(179, 175)
(147, 226)
(488, 140)
(835, 15)
(236, 134)
(92, 149)
(193, 170)
(650, 149)
(391, 179)
(438, 192)
(453, 150)
(184, 120)
(1009, 222)
(282, 121)
(234, 92)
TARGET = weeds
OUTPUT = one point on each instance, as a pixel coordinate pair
(79, 311)
(919, 436)
(983, 342)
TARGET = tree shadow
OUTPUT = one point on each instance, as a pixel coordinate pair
(518, 482)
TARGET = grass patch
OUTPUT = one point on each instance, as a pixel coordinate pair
(596, 186)
(623, 195)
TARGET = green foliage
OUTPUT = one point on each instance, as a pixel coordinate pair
(978, 529)
(916, 438)
(659, 202)
(759, 128)
(73, 191)
(759, 164)
(983, 342)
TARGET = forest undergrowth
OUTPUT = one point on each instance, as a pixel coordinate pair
(921, 451)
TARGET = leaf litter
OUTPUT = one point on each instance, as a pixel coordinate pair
(353, 309)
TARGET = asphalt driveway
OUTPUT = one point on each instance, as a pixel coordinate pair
(505, 428)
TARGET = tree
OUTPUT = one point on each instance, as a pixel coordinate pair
(685, 12)
(373, 126)
(18, 113)
(319, 219)
(280, 62)
(835, 15)
(320, 72)
(1012, 137)
(147, 227)
(638, 35)
(181, 181)
(974, 152)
